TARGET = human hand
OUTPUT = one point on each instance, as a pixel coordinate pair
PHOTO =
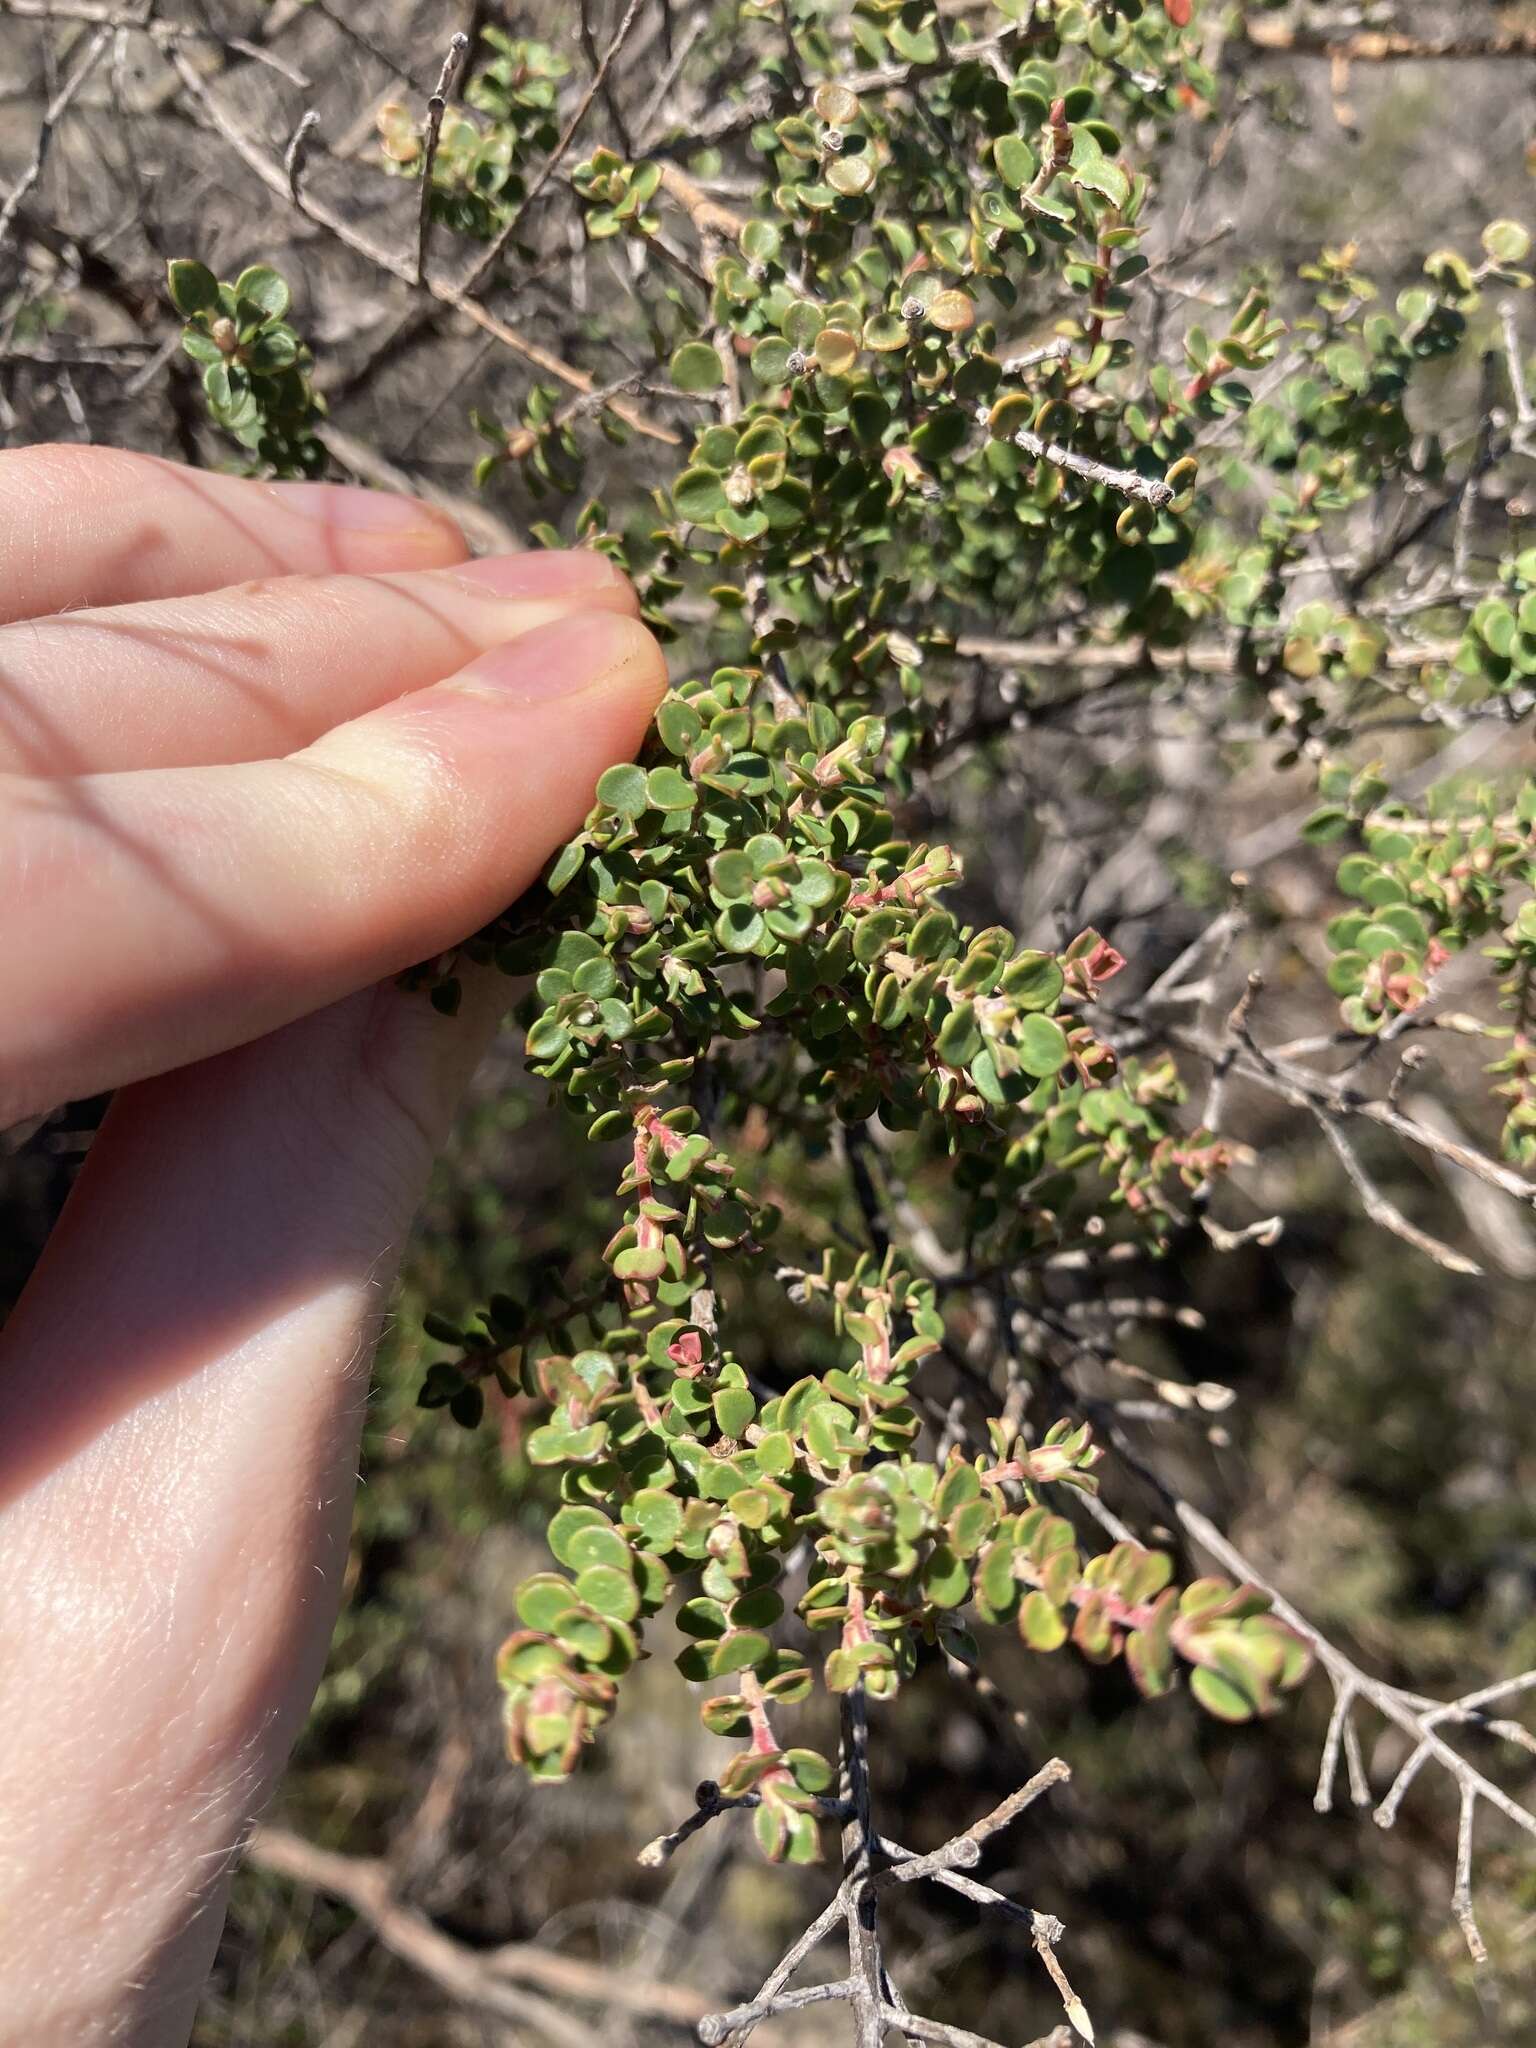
(228, 808)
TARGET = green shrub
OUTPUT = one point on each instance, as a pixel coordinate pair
(922, 466)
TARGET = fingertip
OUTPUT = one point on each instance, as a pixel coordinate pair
(359, 530)
(583, 657)
(479, 778)
(581, 575)
(632, 683)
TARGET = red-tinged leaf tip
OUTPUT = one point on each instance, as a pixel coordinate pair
(1179, 11)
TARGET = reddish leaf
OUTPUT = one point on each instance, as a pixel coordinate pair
(1179, 11)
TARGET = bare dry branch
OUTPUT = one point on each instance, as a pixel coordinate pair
(138, 21)
(1307, 1089)
(720, 2026)
(1133, 658)
(711, 1803)
(1385, 1213)
(494, 1979)
(871, 1861)
(53, 113)
(437, 106)
(274, 177)
(866, 1971)
(1417, 1717)
(1380, 46)
(1130, 483)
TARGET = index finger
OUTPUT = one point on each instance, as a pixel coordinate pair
(101, 526)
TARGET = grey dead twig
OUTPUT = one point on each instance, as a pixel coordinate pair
(141, 21)
(516, 1981)
(1130, 483)
(871, 1862)
(96, 48)
(437, 105)
(276, 178)
(1416, 1716)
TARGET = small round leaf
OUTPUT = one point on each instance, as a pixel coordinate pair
(623, 789)
(696, 367)
(1042, 1045)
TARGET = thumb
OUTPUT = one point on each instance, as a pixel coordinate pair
(181, 1389)
(165, 914)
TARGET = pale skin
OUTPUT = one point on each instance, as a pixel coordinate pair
(261, 747)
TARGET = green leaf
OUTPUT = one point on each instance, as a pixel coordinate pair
(770, 361)
(836, 351)
(946, 1577)
(1329, 822)
(547, 1039)
(696, 367)
(1016, 162)
(760, 241)
(202, 348)
(570, 1522)
(820, 1431)
(567, 866)
(740, 1650)
(716, 448)
(597, 1546)
(732, 877)
(276, 348)
(541, 1600)
(1041, 1045)
(1033, 980)
(1041, 1623)
(1221, 1696)
(959, 1037)
(640, 1262)
(726, 1714)
(811, 1771)
(608, 1591)
(883, 332)
(797, 135)
(595, 978)
(734, 1409)
(679, 726)
(760, 1608)
(803, 320)
(261, 287)
(740, 927)
(193, 288)
(852, 176)
(468, 1406)
(703, 1619)
(699, 495)
(775, 1452)
(657, 1515)
(874, 933)
(667, 790)
(624, 789)
(1507, 241)
(842, 1671)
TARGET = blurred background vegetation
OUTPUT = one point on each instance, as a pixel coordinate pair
(1379, 1461)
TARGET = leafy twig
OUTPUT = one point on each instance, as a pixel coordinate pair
(274, 177)
(491, 256)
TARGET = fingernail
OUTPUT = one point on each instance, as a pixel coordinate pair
(358, 510)
(558, 660)
(558, 573)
